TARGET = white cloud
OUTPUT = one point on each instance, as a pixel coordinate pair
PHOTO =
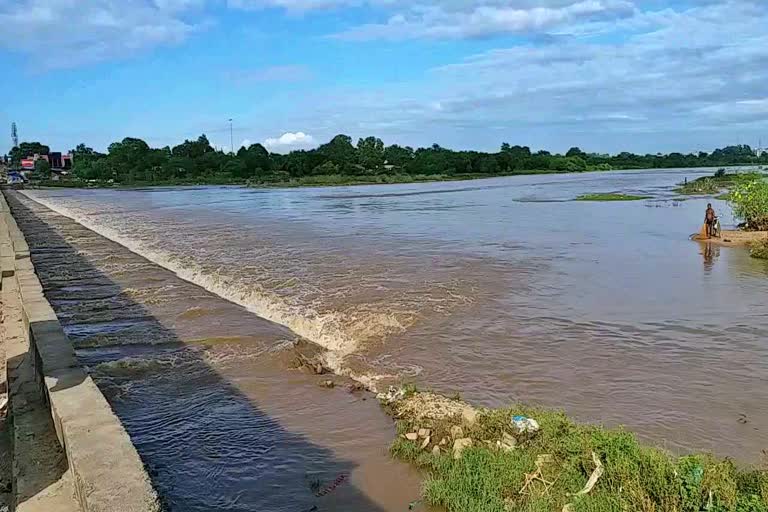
(291, 5)
(666, 79)
(438, 20)
(290, 140)
(66, 33)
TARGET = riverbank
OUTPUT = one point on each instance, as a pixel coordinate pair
(306, 181)
(325, 180)
(733, 238)
(532, 459)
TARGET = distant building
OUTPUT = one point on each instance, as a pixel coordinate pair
(60, 161)
(56, 159)
(28, 164)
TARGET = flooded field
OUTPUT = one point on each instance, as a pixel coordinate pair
(503, 290)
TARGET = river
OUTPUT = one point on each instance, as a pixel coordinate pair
(502, 289)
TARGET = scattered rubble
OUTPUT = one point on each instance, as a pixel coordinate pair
(460, 445)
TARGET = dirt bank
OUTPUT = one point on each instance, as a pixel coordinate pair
(733, 238)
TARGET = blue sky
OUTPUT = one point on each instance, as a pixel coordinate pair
(606, 75)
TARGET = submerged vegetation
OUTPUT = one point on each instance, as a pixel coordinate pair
(562, 466)
(610, 196)
(342, 161)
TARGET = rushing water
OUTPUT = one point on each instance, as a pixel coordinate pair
(503, 289)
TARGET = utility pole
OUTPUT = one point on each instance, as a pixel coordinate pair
(231, 139)
(14, 135)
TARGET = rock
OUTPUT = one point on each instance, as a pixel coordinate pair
(319, 369)
(457, 432)
(435, 450)
(424, 432)
(425, 443)
(443, 442)
(327, 384)
(507, 442)
(411, 436)
(460, 445)
(355, 387)
(469, 416)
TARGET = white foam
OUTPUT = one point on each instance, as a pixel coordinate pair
(322, 329)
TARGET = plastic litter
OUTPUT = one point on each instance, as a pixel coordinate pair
(523, 425)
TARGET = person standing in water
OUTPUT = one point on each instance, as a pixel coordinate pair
(709, 220)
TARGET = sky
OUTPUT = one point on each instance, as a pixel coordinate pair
(644, 76)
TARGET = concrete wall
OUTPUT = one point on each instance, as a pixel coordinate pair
(108, 473)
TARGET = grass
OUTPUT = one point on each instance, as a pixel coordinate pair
(711, 185)
(759, 249)
(610, 196)
(635, 478)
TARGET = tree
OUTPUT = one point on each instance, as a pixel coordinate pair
(574, 151)
(256, 157)
(27, 149)
(341, 152)
(397, 155)
(42, 169)
(370, 152)
(193, 149)
(235, 168)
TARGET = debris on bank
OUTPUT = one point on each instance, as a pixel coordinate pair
(531, 459)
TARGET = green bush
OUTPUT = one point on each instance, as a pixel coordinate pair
(749, 201)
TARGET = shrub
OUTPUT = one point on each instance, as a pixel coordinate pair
(749, 201)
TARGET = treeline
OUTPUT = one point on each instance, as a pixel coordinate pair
(133, 161)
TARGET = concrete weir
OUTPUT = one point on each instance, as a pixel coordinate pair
(70, 452)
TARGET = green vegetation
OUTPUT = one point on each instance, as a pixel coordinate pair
(610, 196)
(701, 186)
(759, 249)
(710, 185)
(748, 199)
(42, 170)
(546, 470)
(26, 149)
(133, 162)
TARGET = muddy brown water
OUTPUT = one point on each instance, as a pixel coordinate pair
(503, 290)
(207, 390)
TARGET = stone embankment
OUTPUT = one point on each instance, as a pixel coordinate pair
(68, 450)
